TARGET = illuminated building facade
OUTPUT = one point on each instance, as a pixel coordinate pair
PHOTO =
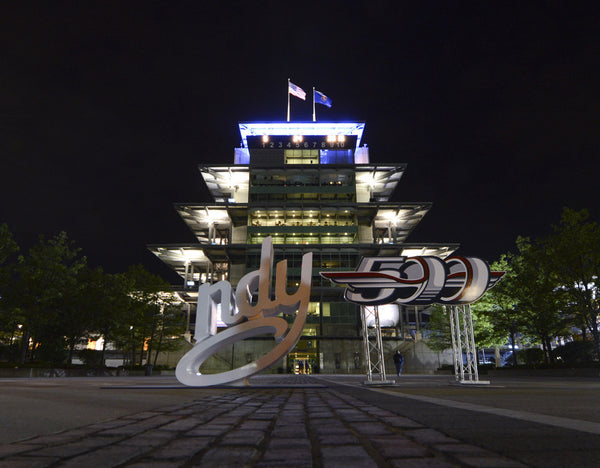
(311, 187)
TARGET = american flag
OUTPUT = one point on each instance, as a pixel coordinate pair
(296, 91)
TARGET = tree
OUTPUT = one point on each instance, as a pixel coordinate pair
(94, 309)
(574, 252)
(59, 302)
(45, 278)
(75, 317)
(500, 307)
(150, 321)
(541, 300)
(106, 296)
(8, 249)
(170, 327)
(489, 313)
(485, 332)
(439, 337)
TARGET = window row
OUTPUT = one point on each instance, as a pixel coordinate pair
(302, 197)
(314, 156)
(260, 221)
(303, 240)
(308, 177)
(337, 259)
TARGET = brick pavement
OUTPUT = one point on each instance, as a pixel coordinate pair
(291, 426)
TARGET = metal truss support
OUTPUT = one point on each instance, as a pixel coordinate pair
(373, 348)
(463, 345)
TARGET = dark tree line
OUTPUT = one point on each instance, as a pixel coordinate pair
(550, 290)
(51, 301)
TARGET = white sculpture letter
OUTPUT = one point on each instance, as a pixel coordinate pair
(246, 320)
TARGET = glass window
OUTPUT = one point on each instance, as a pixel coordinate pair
(337, 157)
(301, 156)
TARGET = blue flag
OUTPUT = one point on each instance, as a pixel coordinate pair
(320, 98)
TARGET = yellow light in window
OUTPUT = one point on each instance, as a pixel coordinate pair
(331, 138)
(265, 138)
(297, 138)
(341, 138)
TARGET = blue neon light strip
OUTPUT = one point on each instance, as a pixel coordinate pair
(301, 128)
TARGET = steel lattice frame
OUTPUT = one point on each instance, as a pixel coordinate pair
(373, 347)
(463, 344)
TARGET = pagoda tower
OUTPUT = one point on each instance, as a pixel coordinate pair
(311, 187)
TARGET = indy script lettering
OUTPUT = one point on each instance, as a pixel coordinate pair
(246, 319)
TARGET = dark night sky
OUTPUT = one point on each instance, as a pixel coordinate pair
(106, 108)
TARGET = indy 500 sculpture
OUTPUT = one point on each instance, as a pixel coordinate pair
(251, 311)
(456, 282)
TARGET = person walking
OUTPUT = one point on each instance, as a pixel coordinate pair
(398, 361)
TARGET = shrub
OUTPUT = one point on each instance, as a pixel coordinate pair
(532, 356)
(52, 351)
(91, 357)
(574, 353)
(9, 352)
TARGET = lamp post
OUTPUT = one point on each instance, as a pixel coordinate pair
(132, 361)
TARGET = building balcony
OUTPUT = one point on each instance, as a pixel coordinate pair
(291, 227)
(301, 188)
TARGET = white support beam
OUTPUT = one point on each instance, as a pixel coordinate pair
(373, 347)
(463, 345)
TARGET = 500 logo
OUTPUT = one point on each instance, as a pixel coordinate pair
(416, 280)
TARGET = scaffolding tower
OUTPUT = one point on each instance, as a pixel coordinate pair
(373, 348)
(463, 345)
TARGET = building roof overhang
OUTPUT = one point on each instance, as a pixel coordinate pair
(301, 128)
(179, 256)
(402, 217)
(224, 180)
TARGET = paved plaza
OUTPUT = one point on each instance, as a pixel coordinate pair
(299, 421)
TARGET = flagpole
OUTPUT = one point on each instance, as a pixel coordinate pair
(288, 93)
(314, 114)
